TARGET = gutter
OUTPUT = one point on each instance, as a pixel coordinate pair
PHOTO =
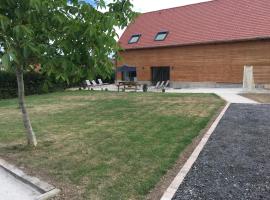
(200, 43)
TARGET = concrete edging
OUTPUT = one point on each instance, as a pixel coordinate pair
(171, 190)
(47, 191)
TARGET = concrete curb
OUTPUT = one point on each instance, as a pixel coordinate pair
(171, 190)
(47, 191)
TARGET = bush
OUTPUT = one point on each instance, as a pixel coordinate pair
(34, 83)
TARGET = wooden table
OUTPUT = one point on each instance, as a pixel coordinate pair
(127, 85)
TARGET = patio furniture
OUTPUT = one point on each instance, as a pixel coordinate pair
(167, 84)
(162, 84)
(100, 82)
(127, 85)
(95, 83)
(157, 85)
(88, 84)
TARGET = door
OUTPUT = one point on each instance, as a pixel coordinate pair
(129, 76)
(160, 74)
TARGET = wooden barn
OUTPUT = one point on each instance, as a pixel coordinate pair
(204, 44)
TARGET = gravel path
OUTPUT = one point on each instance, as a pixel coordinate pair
(235, 163)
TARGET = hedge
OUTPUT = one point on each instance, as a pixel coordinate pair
(34, 83)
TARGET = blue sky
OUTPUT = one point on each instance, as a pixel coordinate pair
(90, 1)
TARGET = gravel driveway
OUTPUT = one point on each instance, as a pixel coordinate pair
(235, 163)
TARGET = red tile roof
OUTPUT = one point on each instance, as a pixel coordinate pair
(213, 21)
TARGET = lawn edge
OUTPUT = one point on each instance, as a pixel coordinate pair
(47, 191)
(171, 190)
(161, 186)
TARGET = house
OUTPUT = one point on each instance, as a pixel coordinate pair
(204, 44)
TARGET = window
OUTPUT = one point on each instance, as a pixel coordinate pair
(161, 36)
(134, 39)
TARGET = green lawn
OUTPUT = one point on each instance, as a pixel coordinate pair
(104, 145)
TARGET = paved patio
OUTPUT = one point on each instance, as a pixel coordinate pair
(235, 163)
(13, 189)
(231, 95)
(16, 185)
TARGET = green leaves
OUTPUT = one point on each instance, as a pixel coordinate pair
(4, 21)
(36, 4)
(70, 40)
(22, 32)
(9, 58)
(13, 56)
(59, 18)
(121, 12)
(100, 3)
(6, 61)
(30, 49)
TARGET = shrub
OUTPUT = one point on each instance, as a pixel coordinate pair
(34, 83)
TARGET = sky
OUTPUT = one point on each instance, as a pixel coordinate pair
(152, 5)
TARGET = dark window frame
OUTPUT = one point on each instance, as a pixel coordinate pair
(162, 32)
(159, 73)
(135, 35)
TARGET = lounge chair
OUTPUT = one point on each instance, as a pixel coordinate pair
(94, 83)
(100, 82)
(88, 84)
(162, 84)
(167, 84)
(157, 85)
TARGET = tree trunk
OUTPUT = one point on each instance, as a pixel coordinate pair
(31, 137)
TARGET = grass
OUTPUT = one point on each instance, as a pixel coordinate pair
(259, 97)
(104, 145)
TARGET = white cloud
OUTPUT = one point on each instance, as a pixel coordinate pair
(152, 5)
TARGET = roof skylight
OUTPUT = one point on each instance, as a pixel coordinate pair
(134, 39)
(160, 36)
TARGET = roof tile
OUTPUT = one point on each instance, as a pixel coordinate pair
(213, 21)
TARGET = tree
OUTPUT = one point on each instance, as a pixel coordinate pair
(69, 39)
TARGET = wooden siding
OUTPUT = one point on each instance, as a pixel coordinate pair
(261, 74)
(220, 63)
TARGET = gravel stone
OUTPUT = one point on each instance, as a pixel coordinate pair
(235, 163)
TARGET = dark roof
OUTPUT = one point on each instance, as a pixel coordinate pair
(213, 21)
(126, 68)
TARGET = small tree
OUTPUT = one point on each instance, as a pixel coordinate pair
(69, 39)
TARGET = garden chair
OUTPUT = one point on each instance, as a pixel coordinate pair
(162, 84)
(94, 83)
(88, 84)
(157, 85)
(167, 84)
(100, 82)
